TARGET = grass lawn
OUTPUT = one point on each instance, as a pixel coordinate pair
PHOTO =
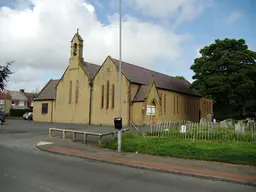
(229, 152)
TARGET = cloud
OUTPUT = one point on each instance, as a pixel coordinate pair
(27, 78)
(38, 38)
(234, 16)
(179, 11)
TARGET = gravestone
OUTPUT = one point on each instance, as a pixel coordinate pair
(209, 117)
(202, 122)
(223, 124)
(239, 128)
(251, 125)
(213, 126)
(230, 122)
(183, 129)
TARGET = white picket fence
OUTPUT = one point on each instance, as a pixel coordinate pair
(198, 131)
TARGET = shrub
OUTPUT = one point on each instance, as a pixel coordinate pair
(18, 112)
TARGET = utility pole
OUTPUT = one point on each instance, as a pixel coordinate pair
(120, 72)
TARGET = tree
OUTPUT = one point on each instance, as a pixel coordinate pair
(180, 77)
(226, 72)
(4, 74)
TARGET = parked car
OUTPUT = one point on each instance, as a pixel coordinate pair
(2, 117)
(28, 116)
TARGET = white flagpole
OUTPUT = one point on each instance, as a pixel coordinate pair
(120, 72)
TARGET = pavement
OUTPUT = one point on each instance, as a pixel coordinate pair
(202, 169)
(25, 168)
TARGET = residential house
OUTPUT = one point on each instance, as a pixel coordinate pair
(30, 96)
(5, 102)
(19, 100)
(89, 94)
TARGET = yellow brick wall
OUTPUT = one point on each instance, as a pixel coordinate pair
(105, 116)
(73, 112)
(37, 111)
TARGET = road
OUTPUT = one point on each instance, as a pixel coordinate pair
(24, 168)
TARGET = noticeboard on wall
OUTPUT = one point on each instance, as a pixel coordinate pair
(151, 110)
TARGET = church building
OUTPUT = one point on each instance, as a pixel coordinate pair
(89, 94)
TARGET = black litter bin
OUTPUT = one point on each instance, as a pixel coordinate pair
(118, 123)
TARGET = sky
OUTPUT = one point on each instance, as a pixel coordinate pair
(162, 35)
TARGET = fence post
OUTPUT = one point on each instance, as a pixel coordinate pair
(50, 132)
(64, 135)
(74, 136)
(157, 129)
(99, 140)
(113, 135)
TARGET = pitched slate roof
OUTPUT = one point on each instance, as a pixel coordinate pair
(141, 93)
(48, 92)
(91, 69)
(30, 96)
(17, 95)
(135, 74)
(144, 76)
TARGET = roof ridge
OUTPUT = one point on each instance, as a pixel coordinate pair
(150, 70)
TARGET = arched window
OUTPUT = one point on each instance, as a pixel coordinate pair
(70, 92)
(107, 106)
(77, 90)
(102, 96)
(113, 95)
(75, 49)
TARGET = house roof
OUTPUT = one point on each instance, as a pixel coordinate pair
(141, 93)
(30, 96)
(17, 95)
(91, 69)
(48, 92)
(135, 74)
(143, 76)
(5, 96)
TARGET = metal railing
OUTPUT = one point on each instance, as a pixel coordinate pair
(198, 131)
(84, 133)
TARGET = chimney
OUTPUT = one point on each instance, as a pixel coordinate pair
(22, 91)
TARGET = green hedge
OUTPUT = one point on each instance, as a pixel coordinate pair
(18, 112)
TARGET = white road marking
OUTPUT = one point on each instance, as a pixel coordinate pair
(44, 143)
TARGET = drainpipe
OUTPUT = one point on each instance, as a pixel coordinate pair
(129, 104)
(51, 111)
(90, 103)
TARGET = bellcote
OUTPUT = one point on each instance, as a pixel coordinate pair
(77, 46)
